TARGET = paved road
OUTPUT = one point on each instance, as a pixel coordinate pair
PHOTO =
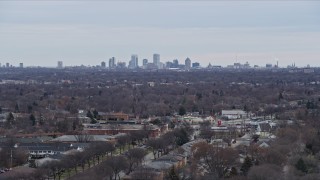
(148, 158)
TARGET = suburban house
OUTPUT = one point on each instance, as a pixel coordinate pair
(176, 160)
(263, 144)
(187, 147)
(264, 129)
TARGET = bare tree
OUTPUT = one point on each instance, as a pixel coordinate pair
(122, 141)
(145, 174)
(39, 174)
(53, 168)
(109, 148)
(135, 157)
(104, 171)
(72, 160)
(118, 164)
(265, 171)
(272, 156)
(216, 159)
(205, 131)
(138, 136)
(169, 140)
(19, 156)
(155, 144)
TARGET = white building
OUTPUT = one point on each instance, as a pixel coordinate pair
(187, 63)
(234, 114)
(112, 63)
(133, 62)
(156, 59)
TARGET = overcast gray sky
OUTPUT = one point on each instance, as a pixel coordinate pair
(88, 32)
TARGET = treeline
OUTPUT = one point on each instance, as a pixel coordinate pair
(49, 106)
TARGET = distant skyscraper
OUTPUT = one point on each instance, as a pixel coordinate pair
(21, 65)
(268, 65)
(103, 64)
(161, 65)
(121, 65)
(112, 62)
(169, 64)
(187, 63)
(60, 64)
(195, 65)
(175, 63)
(7, 65)
(246, 65)
(133, 62)
(156, 59)
(144, 62)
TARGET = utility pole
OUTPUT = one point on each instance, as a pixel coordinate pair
(11, 158)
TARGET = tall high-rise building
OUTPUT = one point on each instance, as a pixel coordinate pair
(156, 59)
(133, 64)
(7, 65)
(187, 63)
(175, 63)
(60, 64)
(144, 62)
(169, 64)
(121, 65)
(103, 64)
(21, 65)
(195, 65)
(112, 62)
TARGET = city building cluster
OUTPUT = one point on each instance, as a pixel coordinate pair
(149, 65)
(156, 64)
(8, 65)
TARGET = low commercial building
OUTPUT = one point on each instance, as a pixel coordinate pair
(234, 114)
(112, 129)
(114, 116)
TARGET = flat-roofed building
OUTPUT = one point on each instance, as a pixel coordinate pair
(234, 114)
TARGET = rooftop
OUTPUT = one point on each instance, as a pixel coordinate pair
(74, 138)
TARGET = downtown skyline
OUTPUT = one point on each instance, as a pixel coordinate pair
(151, 64)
